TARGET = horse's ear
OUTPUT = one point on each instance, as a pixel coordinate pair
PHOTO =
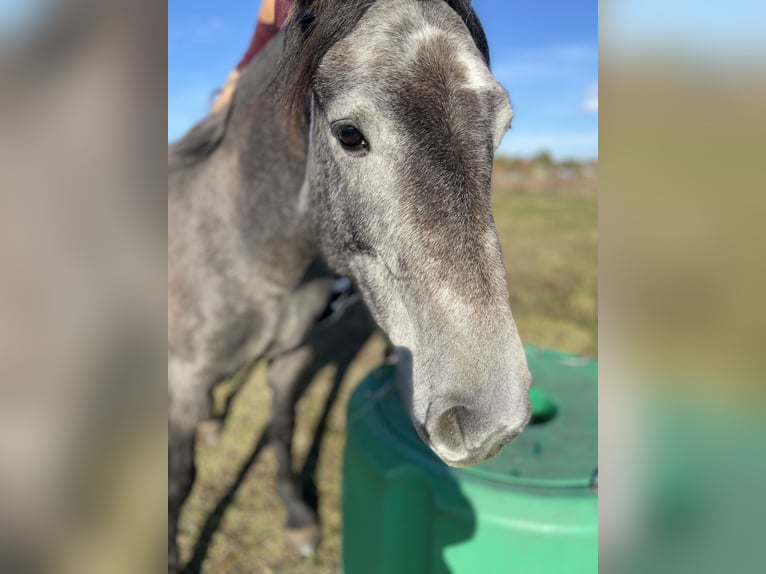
(465, 10)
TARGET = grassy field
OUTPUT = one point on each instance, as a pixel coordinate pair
(550, 248)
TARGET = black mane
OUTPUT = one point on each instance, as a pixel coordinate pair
(200, 141)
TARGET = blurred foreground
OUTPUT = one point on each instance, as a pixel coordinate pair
(681, 283)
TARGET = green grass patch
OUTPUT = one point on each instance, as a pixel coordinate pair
(550, 247)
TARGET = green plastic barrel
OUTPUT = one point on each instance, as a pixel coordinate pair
(532, 509)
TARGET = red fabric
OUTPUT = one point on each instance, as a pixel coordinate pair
(265, 32)
(282, 11)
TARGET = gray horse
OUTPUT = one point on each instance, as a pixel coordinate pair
(376, 154)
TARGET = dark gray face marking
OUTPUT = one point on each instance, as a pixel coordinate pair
(447, 184)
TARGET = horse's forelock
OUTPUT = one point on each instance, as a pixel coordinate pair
(314, 26)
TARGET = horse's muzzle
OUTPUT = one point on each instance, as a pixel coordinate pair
(461, 436)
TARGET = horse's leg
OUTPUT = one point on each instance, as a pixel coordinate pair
(189, 404)
(210, 430)
(286, 376)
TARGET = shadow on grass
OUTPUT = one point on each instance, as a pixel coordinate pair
(213, 521)
(337, 343)
(307, 474)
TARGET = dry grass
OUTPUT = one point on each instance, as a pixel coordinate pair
(549, 243)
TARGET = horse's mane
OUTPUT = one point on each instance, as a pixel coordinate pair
(200, 141)
(312, 28)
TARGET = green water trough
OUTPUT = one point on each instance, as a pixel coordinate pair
(532, 509)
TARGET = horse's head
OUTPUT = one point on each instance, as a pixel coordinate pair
(405, 119)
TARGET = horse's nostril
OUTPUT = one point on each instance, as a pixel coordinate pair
(449, 429)
(462, 436)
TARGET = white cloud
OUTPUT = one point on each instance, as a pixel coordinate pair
(590, 104)
(555, 62)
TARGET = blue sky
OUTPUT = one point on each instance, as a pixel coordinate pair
(545, 52)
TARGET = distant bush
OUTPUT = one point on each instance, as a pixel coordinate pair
(541, 161)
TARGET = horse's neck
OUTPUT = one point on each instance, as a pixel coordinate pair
(270, 159)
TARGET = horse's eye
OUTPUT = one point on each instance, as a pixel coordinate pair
(351, 138)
